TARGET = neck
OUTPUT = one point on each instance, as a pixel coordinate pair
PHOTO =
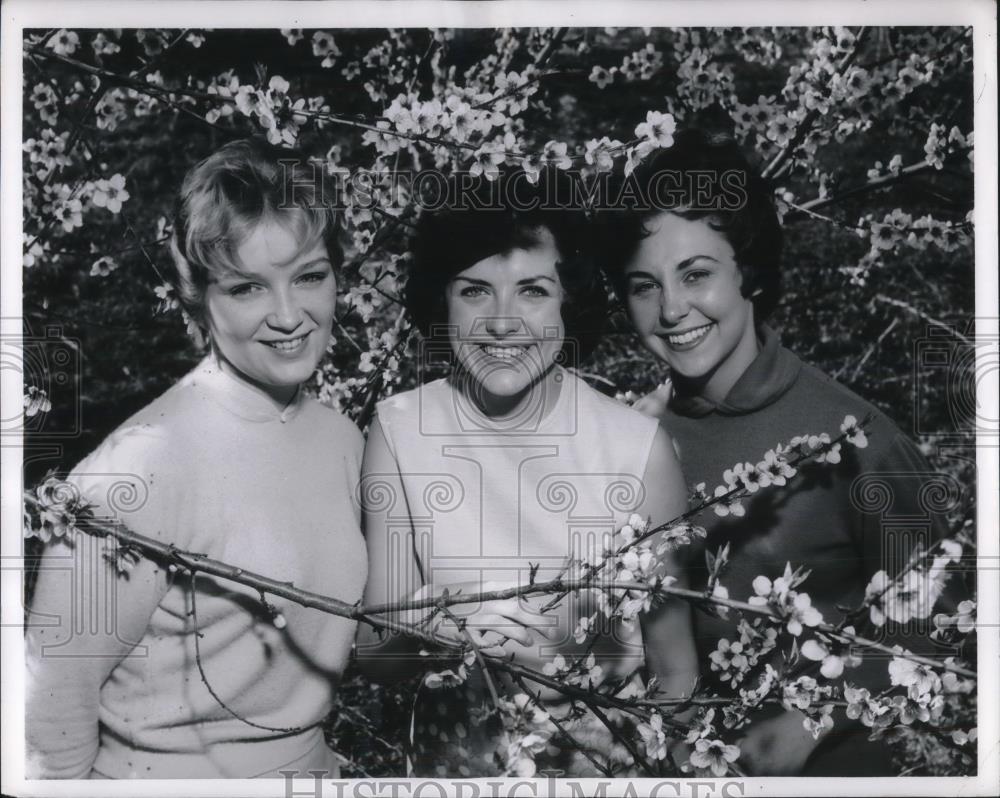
(279, 396)
(500, 409)
(716, 385)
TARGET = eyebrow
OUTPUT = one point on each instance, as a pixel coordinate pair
(239, 274)
(688, 261)
(525, 281)
(680, 266)
(314, 262)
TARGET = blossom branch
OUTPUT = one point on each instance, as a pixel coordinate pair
(537, 701)
(802, 128)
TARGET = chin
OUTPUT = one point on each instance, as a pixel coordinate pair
(505, 386)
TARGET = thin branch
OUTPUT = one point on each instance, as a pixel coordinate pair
(621, 738)
(464, 629)
(550, 47)
(158, 59)
(868, 353)
(536, 700)
(874, 184)
(943, 50)
(888, 300)
(204, 677)
(365, 721)
(431, 47)
(802, 128)
(558, 585)
(141, 246)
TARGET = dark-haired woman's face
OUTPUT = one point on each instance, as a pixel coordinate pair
(683, 296)
(505, 320)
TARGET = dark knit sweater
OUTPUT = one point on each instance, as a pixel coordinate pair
(845, 522)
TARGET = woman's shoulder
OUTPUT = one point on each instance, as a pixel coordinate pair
(611, 413)
(332, 424)
(147, 433)
(411, 399)
(134, 471)
(177, 421)
(404, 409)
(831, 402)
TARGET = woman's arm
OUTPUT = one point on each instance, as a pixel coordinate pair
(394, 574)
(83, 619)
(667, 632)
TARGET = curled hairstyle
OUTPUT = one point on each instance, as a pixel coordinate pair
(226, 196)
(701, 176)
(479, 218)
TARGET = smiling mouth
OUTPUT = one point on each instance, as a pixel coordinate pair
(505, 353)
(288, 344)
(688, 337)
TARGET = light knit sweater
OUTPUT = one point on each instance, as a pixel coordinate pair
(214, 467)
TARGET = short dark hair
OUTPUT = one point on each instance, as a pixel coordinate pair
(740, 206)
(226, 195)
(483, 218)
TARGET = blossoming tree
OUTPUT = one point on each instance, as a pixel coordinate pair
(865, 133)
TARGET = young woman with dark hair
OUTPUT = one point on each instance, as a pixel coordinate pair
(511, 463)
(699, 274)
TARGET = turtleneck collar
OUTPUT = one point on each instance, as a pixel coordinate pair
(240, 397)
(766, 379)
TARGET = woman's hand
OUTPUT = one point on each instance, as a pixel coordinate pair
(492, 625)
(778, 746)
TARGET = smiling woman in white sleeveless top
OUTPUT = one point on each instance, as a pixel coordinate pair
(510, 462)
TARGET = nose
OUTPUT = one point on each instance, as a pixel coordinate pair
(673, 308)
(286, 315)
(504, 320)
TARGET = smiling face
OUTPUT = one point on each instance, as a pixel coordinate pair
(270, 322)
(505, 324)
(682, 290)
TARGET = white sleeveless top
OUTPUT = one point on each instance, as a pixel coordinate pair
(489, 502)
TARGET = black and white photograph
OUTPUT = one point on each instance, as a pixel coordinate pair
(500, 398)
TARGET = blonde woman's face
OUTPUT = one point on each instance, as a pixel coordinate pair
(271, 322)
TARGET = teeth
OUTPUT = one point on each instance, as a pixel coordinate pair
(688, 337)
(287, 346)
(505, 352)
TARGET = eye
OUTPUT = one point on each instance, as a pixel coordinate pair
(641, 287)
(471, 291)
(313, 277)
(696, 275)
(535, 291)
(244, 289)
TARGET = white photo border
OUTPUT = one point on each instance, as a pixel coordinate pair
(18, 15)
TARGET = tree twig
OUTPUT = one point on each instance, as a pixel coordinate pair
(802, 128)
(888, 300)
